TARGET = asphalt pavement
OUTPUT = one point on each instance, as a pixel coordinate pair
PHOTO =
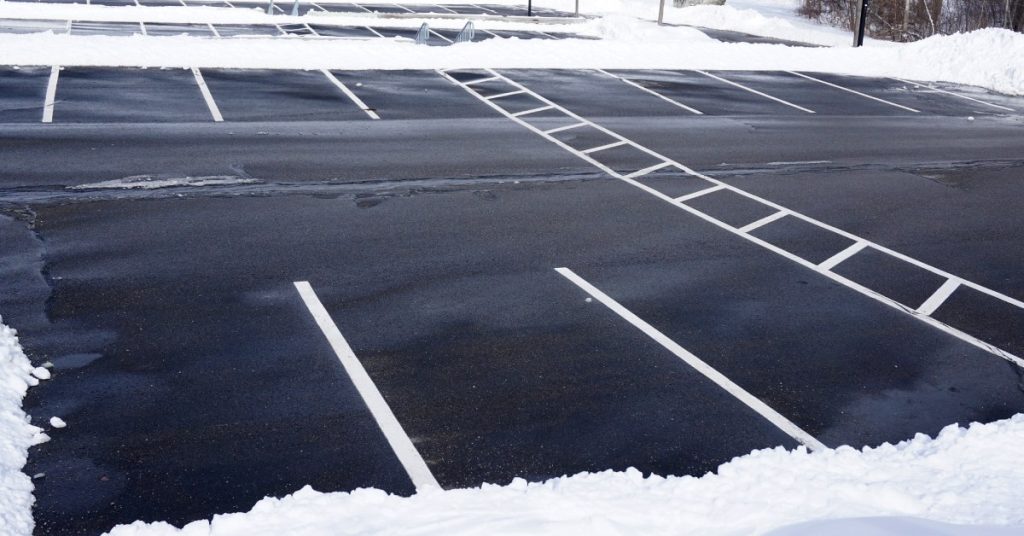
(430, 218)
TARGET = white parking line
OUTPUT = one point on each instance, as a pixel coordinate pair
(375, 32)
(483, 8)
(933, 88)
(482, 80)
(207, 96)
(885, 300)
(648, 170)
(400, 443)
(441, 36)
(532, 111)
(506, 94)
(403, 7)
(699, 193)
(142, 28)
(865, 95)
(756, 92)
(699, 365)
(446, 9)
(606, 146)
(652, 92)
(213, 30)
(939, 297)
(364, 8)
(850, 251)
(566, 127)
(763, 221)
(348, 93)
(51, 94)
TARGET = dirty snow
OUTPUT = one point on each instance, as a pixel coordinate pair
(149, 182)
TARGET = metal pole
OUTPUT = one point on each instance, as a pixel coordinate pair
(661, 12)
(270, 8)
(577, 13)
(529, 8)
(295, 9)
(862, 17)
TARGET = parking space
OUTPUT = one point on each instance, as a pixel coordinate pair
(101, 95)
(412, 95)
(918, 97)
(24, 91)
(267, 95)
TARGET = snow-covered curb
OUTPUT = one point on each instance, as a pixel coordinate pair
(965, 476)
(16, 435)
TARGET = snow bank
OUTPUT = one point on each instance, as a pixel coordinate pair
(965, 476)
(16, 436)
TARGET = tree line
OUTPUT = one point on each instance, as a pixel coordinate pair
(910, 20)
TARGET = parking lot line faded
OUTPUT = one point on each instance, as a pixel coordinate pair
(751, 401)
(972, 99)
(652, 92)
(403, 447)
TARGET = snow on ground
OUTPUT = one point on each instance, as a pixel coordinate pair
(964, 476)
(986, 58)
(16, 436)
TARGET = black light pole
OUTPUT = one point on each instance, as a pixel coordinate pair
(858, 38)
(529, 8)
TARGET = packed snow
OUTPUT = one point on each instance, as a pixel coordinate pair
(964, 476)
(149, 182)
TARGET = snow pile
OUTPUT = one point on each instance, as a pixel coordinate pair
(768, 18)
(16, 435)
(966, 476)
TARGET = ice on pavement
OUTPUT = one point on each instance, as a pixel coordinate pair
(148, 182)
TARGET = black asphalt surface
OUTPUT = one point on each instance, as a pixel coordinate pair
(194, 381)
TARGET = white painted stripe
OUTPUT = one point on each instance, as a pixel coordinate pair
(142, 28)
(756, 92)
(939, 297)
(652, 92)
(503, 95)
(492, 34)
(441, 36)
(612, 145)
(850, 251)
(348, 93)
(51, 94)
(311, 30)
(933, 88)
(483, 8)
(532, 111)
(648, 170)
(404, 449)
(699, 365)
(207, 96)
(403, 7)
(763, 221)
(375, 32)
(946, 328)
(699, 193)
(446, 9)
(364, 8)
(212, 29)
(481, 80)
(865, 95)
(566, 127)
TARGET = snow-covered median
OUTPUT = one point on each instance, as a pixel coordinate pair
(16, 436)
(970, 476)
